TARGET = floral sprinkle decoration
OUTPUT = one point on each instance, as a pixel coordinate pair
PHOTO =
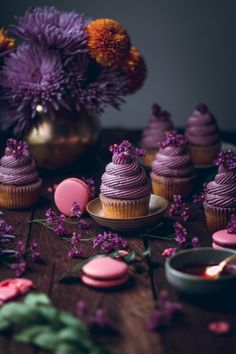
(108, 42)
(173, 139)
(7, 44)
(136, 70)
(107, 242)
(126, 149)
(17, 148)
(166, 311)
(231, 227)
(219, 327)
(100, 319)
(178, 208)
(226, 159)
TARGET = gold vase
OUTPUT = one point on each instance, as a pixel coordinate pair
(60, 142)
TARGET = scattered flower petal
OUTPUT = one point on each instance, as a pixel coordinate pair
(219, 327)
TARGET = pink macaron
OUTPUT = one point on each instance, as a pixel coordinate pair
(104, 283)
(71, 190)
(223, 238)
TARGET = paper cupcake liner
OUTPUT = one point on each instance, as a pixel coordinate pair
(124, 208)
(19, 197)
(217, 218)
(149, 157)
(203, 155)
(166, 187)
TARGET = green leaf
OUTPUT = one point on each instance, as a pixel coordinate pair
(130, 257)
(47, 340)
(13, 312)
(48, 313)
(70, 335)
(34, 300)
(65, 348)
(27, 335)
(146, 252)
(4, 324)
(71, 321)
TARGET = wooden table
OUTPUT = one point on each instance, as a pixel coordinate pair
(188, 335)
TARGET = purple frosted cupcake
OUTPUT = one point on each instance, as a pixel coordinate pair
(220, 198)
(172, 170)
(154, 132)
(202, 134)
(125, 188)
(19, 180)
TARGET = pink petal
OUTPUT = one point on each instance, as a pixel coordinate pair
(219, 327)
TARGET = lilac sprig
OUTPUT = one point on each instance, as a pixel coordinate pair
(76, 250)
(166, 311)
(179, 208)
(76, 210)
(17, 148)
(173, 138)
(180, 234)
(231, 227)
(107, 242)
(126, 149)
(227, 159)
(100, 319)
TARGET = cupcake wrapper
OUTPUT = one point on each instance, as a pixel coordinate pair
(166, 187)
(19, 197)
(217, 218)
(203, 155)
(149, 157)
(125, 208)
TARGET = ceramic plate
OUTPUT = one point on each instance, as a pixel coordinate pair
(157, 207)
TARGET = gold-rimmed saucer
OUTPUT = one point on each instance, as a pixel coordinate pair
(157, 207)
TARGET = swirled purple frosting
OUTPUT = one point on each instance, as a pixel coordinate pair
(17, 170)
(221, 192)
(173, 161)
(124, 178)
(158, 124)
(202, 128)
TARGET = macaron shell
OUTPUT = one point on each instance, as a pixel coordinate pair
(224, 238)
(216, 246)
(69, 191)
(104, 283)
(8, 292)
(105, 268)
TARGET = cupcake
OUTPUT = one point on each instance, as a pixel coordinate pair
(19, 180)
(226, 238)
(125, 187)
(203, 137)
(220, 197)
(172, 170)
(154, 133)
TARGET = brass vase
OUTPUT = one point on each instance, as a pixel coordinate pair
(60, 142)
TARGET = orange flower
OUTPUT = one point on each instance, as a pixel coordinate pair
(6, 42)
(108, 42)
(136, 70)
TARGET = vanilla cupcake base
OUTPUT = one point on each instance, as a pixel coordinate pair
(166, 187)
(19, 197)
(217, 218)
(124, 208)
(149, 157)
(203, 155)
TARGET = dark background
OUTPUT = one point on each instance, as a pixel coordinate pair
(189, 46)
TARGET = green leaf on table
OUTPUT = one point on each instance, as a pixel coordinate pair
(69, 320)
(35, 299)
(70, 334)
(130, 257)
(48, 313)
(4, 324)
(66, 348)
(28, 334)
(146, 252)
(47, 340)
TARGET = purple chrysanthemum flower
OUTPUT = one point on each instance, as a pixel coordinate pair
(54, 29)
(104, 90)
(31, 76)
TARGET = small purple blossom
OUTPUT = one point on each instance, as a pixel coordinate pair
(17, 148)
(76, 250)
(81, 308)
(100, 319)
(60, 229)
(75, 209)
(154, 321)
(56, 221)
(195, 242)
(84, 225)
(171, 251)
(107, 242)
(5, 228)
(34, 251)
(173, 139)
(126, 149)
(231, 227)
(19, 249)
(180, 234)
(51, 216)
(19, 267)
(178, 208)
(226, 159)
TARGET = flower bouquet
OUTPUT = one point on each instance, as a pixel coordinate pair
(65, 60)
